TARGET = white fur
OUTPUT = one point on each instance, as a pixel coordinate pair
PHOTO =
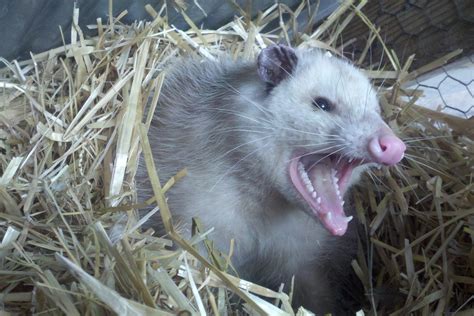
(237, 146)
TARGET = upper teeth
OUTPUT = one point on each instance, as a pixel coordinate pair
(335, 182)
(309, 186)
(334, 176)
(311, 189)
(348, 219)
(304, 176)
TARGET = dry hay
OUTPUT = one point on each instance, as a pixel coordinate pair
(72, 129)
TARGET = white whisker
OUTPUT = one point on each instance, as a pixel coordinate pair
(239, 114)
(258, 106)
(234, 165)
(311, 133)
(326, 156)
(316, 144)
(413, 158)
(229, 130)
(408, 140)
(318, 151)
(428, 148)
(399, 170)
(241, 145)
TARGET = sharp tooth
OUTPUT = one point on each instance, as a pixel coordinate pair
(343, 202)
(329, 216)
(301, 170)
(351, 159)
(314, 195)
(318, 200)
(305, 178)
(348, 219)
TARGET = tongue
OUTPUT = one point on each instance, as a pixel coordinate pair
(329, 210)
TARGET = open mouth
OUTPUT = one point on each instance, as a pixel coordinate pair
(322, 182)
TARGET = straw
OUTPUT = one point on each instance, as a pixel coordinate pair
(74, 123)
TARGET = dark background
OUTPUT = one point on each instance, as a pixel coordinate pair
(33, 25)
(428, 28)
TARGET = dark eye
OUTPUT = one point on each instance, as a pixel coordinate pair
(323, 104)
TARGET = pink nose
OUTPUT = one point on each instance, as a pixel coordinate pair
(387, 149)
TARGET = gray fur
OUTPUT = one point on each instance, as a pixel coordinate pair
(236, 147)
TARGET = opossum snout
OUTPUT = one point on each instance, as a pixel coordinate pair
(386, 149)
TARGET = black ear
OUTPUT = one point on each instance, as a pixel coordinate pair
(276, 63)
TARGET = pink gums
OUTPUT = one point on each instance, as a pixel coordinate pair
(329, 209)
(322, 183)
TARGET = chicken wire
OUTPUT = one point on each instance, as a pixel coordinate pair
(449, 88)
(428, 29)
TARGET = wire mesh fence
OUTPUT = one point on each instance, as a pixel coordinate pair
(449, 88)
(429, 30)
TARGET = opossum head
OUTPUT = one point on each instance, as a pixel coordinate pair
(329, 129)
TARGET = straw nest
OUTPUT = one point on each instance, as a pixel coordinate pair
(73, 122)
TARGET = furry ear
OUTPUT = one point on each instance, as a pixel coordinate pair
(276, 63)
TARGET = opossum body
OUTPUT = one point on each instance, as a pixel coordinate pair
(271, 147)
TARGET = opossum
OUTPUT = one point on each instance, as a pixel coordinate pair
(271, 146)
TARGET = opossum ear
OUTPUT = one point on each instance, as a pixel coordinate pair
(276, 63)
